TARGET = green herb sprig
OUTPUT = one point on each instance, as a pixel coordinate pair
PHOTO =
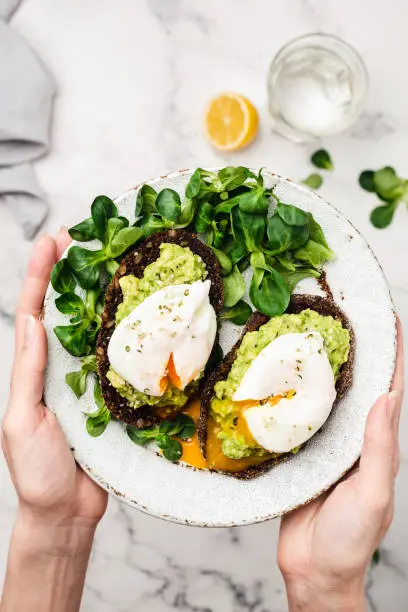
(314, 181)
(78, 380)
(238, 314)
(376, 558)
(79, 337)
(116, 238)
(181, 427)
(97, 422)
(389, 188)
(322, 160)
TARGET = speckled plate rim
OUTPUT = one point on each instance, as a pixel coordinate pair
(333, 479)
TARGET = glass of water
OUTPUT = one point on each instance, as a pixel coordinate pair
(317, 86)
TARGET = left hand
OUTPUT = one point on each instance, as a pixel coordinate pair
(52, 489)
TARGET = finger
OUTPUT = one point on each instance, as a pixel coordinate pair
(38, 275)
(27, 382)
(63, 239)
(398, 389)
(377, 463)
(398, 382)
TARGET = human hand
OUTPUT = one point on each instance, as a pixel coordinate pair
(325, 547)
(59, 506)
(52, 490)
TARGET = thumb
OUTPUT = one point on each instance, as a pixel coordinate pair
(27, 381)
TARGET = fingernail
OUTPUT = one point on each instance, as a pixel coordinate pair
(63, 228)
(394, 407)
(29, 330)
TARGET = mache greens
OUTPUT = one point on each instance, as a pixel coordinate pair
(389, 188)
(166, 435)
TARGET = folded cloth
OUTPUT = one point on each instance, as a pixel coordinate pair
(27, 91)
(22, 194)
(25, 103)
(7, 8)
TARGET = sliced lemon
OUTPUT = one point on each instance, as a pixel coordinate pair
(231, 122)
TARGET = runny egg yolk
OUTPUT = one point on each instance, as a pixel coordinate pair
(171, 376)
(271, 401)
(215, 457)
(241, 426)
(191, 448)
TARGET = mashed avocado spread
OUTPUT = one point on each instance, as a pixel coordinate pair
(226, 412)
(174, 266)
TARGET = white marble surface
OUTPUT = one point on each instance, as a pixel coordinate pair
(133, 77)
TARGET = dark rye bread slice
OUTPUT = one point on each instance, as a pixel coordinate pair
(135, 263)
(299, 302)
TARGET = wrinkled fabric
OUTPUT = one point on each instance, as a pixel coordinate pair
(22, 194)
(7, 8)
(26, 96)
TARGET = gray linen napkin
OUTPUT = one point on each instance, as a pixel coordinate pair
(7, 8)
(26, 95)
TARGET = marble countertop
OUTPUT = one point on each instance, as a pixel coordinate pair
(133, 78)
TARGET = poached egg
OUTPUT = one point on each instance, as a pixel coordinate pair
(167, 338)
(288, 391)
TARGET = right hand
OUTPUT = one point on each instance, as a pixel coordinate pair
(326, 546)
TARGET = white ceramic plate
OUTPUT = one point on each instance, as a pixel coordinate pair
(184, 495)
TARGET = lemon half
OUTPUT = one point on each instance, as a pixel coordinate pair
(231, 122)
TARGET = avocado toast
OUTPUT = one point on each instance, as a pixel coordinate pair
(215, 425)
(172, 257)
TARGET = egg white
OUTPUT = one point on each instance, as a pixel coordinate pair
(296, 367)
(176, 321)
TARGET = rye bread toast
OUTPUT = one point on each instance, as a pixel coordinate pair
(299, 302)
(135, 263)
